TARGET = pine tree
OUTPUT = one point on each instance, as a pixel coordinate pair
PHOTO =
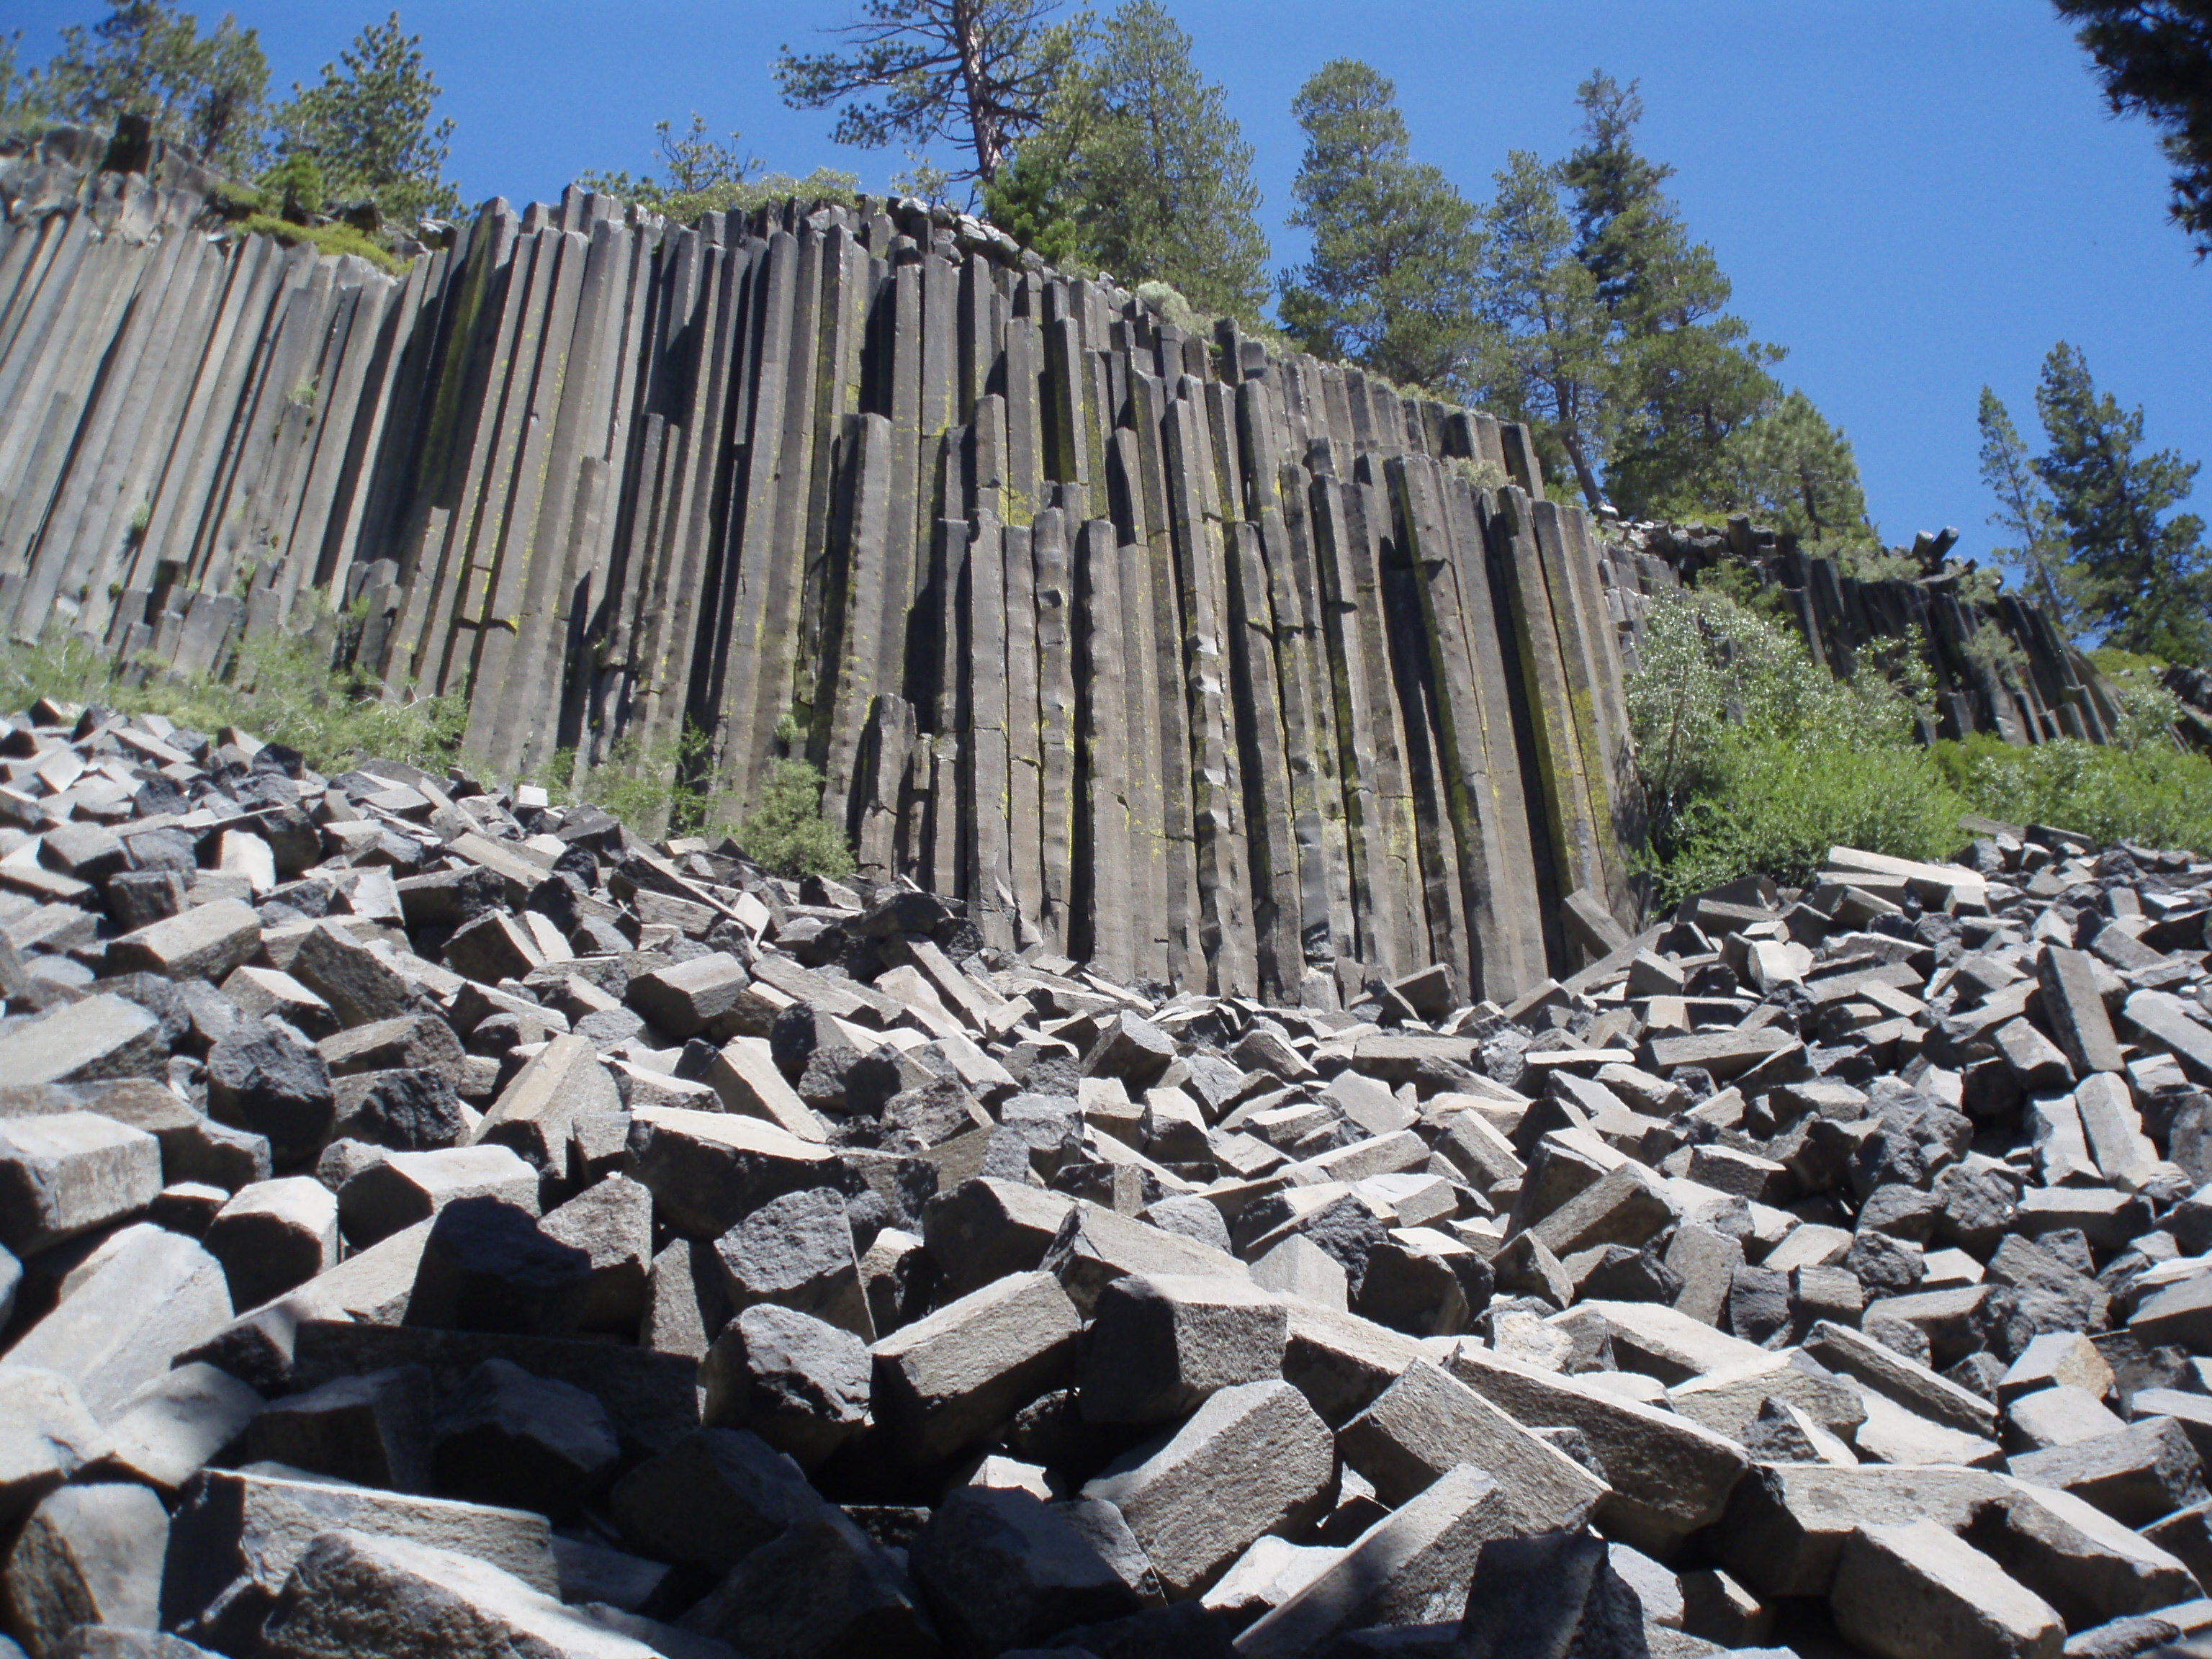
(1790, 469)
(1686, 374)
(1138, 168)
(19, 94)
(2154, 57)
(366, 126)
(698, 172)
(1547, 358)
(2141, 573)
(977, 73)
(2025, 511)
(1390, 284)
(146, 58)
(1036, 197)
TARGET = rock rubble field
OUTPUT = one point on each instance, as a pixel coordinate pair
(439, 1221)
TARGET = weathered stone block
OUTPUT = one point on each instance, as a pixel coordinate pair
(64, 1175)
(1252, 1459)
(1160, 1344)
(949, 1379)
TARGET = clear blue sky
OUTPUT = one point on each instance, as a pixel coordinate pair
(1916, 196)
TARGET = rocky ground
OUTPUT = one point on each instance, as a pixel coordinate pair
(439, 1223)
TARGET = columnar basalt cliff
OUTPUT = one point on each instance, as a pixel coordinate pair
(1215, 667)
(1220, 667)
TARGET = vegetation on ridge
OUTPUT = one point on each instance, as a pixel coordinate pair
(1755, 759)
(281, 689)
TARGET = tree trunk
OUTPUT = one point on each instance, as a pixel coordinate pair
(983, 120)
(1571, 441)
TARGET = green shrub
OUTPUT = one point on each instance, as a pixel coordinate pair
(230, 201)
(1755, 759)
(293, 189)
(787, 833)
(324, 239)
(2155, 794)
(655, 789)
(1732, 580)
(1165, 302)
(281, 689)
(1775, 806)
(1712, 672)
(2110, 659)
(2148, 711)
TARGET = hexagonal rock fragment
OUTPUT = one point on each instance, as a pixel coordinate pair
(611, 1222)
(1553, 1593)
(951, 1378)
(407, 1110)
(824, 1586)
(69, 1173)
(273, 1235)
(691, 999)
(1101, 1525)
(270, 1081)
(486, 1266)
(2076, 1013)
(1427, 1423)
(177, 1424)
(1627, 1206)
(410, 1042)
(260, 990)
(1265, 1576)
(207, 941)
(152, 1296)
(88, 1555)
(711, 1500)
(396, 1192)
(1096, 1246)
(1906, 1382)
(535, 1112)
(797, 1252)
(360, 986)
(1411, 1568)
(236, 1537)
(708, 1170)
(2065, 1416)
(1253, 1459)
(800, 1383)
(2144, 1471)
(1130, 1047)
(372, 1430)
(1910, 1590)
(374, 1597)
(1786, 1526)
(1007, 1571)
(1424, 1283)
(985, 1229)
(685, 1302)
(1669, 1476)
(2114, 1129)
(1160, 1344)
(493, 947)
(2056, 1359)
(507, 1437)
(45, 1437)
(1297, 1266)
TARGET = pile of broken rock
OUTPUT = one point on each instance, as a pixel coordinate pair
(441, 1222)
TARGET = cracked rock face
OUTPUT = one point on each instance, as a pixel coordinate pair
(1824, 1266)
